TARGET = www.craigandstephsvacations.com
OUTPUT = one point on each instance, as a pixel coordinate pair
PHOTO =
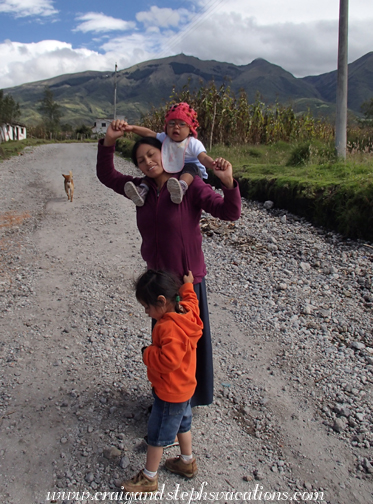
(201, 494)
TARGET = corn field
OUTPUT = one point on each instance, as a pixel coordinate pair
(230, 120)
(358, 142)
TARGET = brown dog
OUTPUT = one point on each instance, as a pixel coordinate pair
(69, 185)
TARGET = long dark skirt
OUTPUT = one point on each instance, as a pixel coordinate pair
(205, 374)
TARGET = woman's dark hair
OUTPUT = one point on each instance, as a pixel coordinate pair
(152, 284)
(154, 142)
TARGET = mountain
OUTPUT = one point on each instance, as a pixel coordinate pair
(360, 83)
(87, 96)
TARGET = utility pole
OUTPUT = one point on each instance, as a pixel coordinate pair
(342, 80)
(115, 92)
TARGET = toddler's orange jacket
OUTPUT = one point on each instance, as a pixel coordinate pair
(171, 358)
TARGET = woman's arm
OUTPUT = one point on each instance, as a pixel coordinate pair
(106, 172)
(204, 197)
(115, 130)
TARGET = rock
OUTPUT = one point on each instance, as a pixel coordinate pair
(124, 462)
(111, 453)
(305, 266)
(340, 424)
(89, 477)
(268, 204)
(342, 409)
(258, 474)
(307, 310)
(248, 478)
(367, 465)
(357, 345)
(282, 286)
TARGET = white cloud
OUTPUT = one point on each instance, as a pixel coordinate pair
(162, 18)
(301, 46)
(268, 12)
(99, 22)
(43, 60)
(134, 42)
(25, 8)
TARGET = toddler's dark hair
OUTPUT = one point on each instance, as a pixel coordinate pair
(154, 283)
(152, 141)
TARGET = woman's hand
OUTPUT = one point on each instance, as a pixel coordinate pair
(224, 171)
(115, 130)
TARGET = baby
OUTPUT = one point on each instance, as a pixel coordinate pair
(182, 153)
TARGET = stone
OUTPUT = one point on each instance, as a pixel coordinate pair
(340, 424)
(268, 204)
(357, 345)
(258, 474)
(124, 462)
(89, 477)
(112, 453)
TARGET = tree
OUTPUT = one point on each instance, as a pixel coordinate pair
(83, 131)
(367, 109)
(51, 111)
(9, 109)
(66, 128)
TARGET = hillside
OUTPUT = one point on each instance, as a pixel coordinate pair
(86, 96)
(360, 83)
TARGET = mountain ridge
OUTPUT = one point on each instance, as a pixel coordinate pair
(86, 96)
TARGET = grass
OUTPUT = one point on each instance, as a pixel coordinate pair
(273, 162)
(15, 148)
(311, 182)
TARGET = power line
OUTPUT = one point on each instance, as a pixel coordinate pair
(211, 6)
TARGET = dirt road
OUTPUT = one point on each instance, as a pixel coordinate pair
(74, 394)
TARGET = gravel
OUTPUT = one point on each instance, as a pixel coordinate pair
(291, 316)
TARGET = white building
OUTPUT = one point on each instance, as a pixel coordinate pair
(100, 126)
(12, 132)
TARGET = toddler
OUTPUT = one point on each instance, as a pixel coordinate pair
(171, 365)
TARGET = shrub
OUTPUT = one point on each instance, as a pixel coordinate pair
(315, 152)
(300, 155)
(124, 146)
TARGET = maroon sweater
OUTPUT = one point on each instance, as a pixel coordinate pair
(171, 236)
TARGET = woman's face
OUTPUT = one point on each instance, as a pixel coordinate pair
(149, 160)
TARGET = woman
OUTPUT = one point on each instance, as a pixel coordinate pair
(171, 236)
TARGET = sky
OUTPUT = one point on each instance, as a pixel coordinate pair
(41, 39)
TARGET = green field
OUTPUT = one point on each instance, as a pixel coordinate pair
(309, 181)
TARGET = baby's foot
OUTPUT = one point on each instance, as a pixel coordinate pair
(135, 193)
(176, 189)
